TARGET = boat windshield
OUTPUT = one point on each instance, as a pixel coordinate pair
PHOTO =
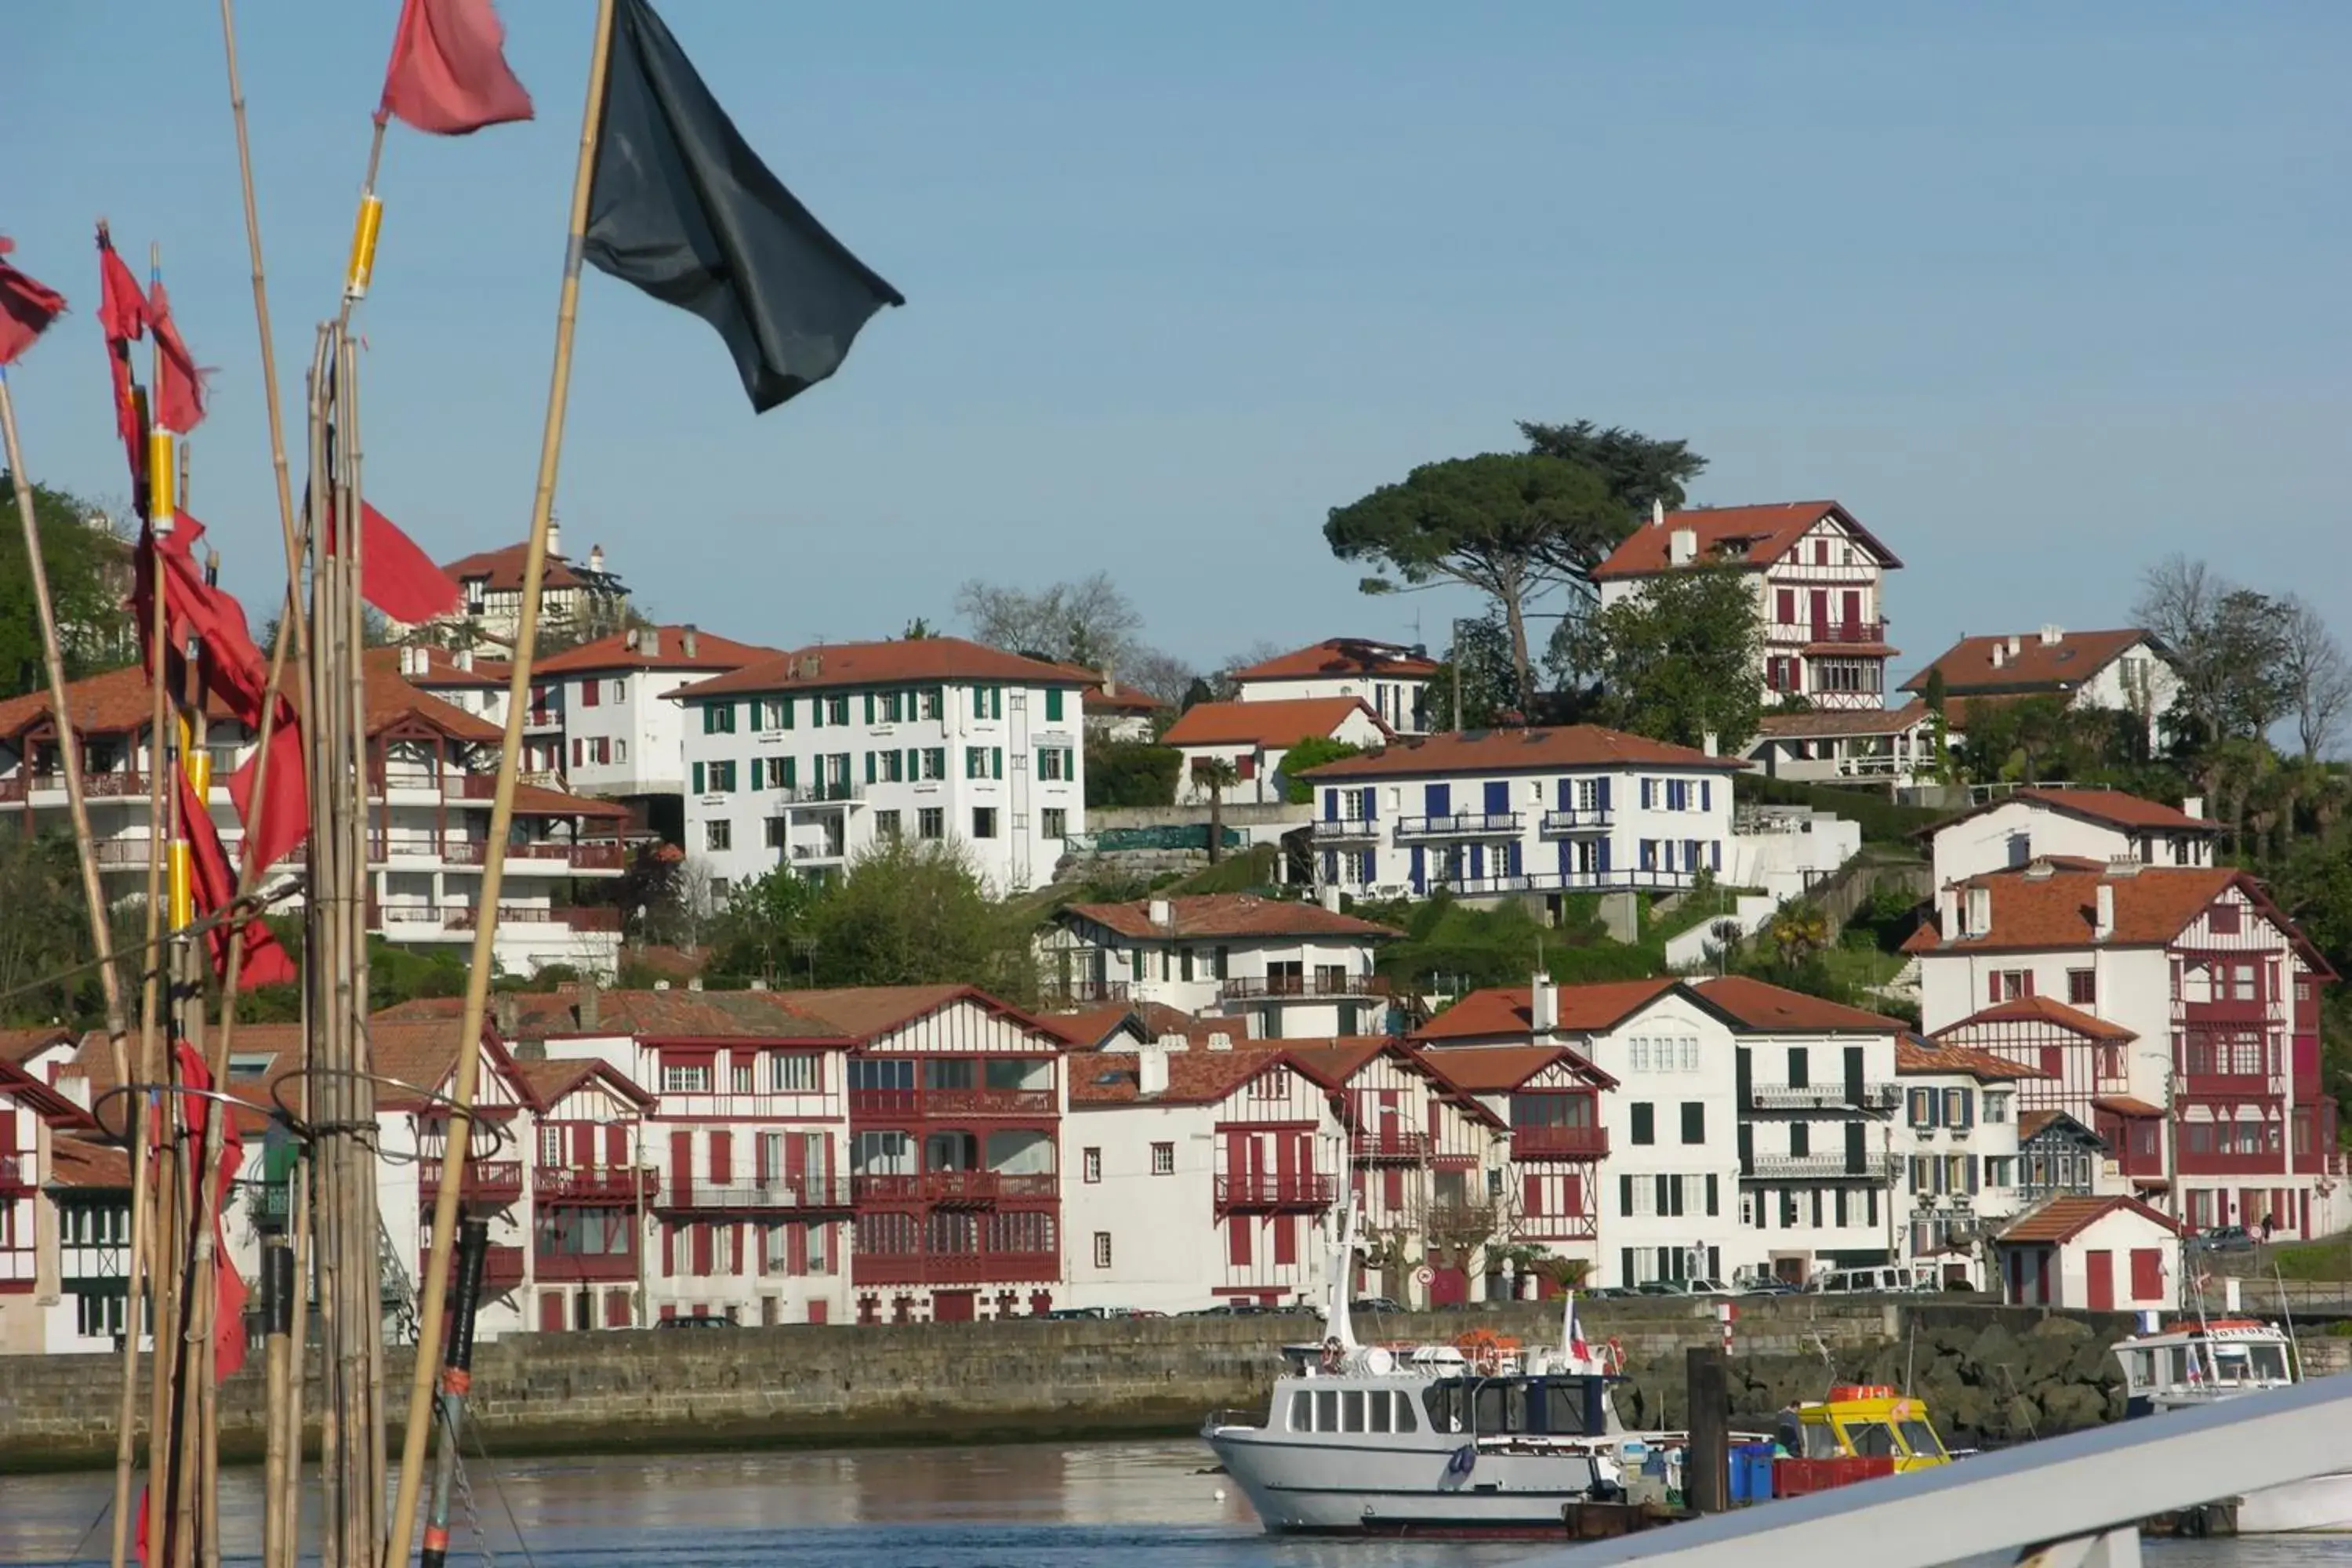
(2250, 1363)
(1920, 1438)
(1871, 1439)
(1820, 1443)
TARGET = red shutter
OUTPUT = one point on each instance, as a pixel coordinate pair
(1238, 1240)
(1574, 1186)
(1992, 986)
(1286, 1165)
(1286, 1240)
(2099, 1280)
(681, 1163)
(2147, 1274)
(550, 1313)
(617, 1309)
(616, 1147)
(1392, 1188)
(702, 1248)
(1533, 1201)
(583, 1145)
(722, 1158)
(796, 1249)
(737, 1231)
(669, 1254)
(816, 1313)
(2029, 982)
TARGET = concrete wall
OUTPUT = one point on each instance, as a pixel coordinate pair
(839, 1387)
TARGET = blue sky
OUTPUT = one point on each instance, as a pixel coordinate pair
(2040, 293)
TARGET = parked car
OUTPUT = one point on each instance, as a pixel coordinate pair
(698, 1320)
(1374, 1304)
(1229, 1310)
(1770, 1286)
(1708, 1287)
(2228, 1239)
(1609, 1293)
(1070, 1313)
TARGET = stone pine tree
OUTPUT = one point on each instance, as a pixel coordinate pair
(1640, 471)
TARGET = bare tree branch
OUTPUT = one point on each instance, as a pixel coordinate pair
(2318, 678)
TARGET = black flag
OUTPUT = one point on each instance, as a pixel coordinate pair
(682, 208)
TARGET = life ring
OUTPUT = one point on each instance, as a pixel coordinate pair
(1334, 1353)
(1615, 1361)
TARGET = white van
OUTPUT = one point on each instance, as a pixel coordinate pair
(1896, 1279)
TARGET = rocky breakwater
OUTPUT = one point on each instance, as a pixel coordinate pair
(1986, 1378)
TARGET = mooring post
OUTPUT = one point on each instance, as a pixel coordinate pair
(1706, 1466)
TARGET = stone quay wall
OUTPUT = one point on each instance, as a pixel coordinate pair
(832, 1386)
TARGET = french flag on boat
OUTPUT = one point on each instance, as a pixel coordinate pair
(1578, 1351)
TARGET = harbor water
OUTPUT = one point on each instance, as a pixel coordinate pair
(1134, 1505)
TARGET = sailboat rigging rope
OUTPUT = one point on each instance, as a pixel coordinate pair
(235, 911)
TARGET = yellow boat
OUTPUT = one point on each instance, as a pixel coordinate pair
(1866, 1421)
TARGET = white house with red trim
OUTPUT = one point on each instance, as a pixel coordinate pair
(1389, 677)
(2127, 670)
(1488, 813)
(1820, 579)
(1279, 969)
(2090, 1254)
(1254, 736)
(622, 737)
(1554, 1140)
(1197, 1176)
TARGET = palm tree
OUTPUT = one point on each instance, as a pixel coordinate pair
(1216, 775)
(1798, 929)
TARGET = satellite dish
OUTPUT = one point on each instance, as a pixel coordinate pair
(1379, 1361)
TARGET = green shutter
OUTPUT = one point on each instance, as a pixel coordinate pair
(789, 706)
(939, 701)
(979, 702)
(996, 702)
(938, 762)
(697, 779)
(870, 708)
(1052, 703)
(817, 712)
(755, 765)
(996, 761)
(792, 773)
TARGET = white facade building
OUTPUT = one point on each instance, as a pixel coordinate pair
(805, 759)
(2122, 671)
(1278, 970)
(1512, 811)
(1254, 737)
(573, 595)
(1897, 746)
(1957, 1175)
(2090, 1254)
(1391, 679)
(1820, 579)
(2102, 826)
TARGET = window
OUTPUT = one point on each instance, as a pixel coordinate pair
(1996, 1106)
(984, 822)
(718, 834)
(775, 712)
(771, 832)
(2083, 987)
(885, 824)
(836, 709)
(934, 761)
(2008, 985)
(685, 1078)
(1923, 1108)
(1645, 1129)
(2222, 920)
(1102, 1250)
(794, 1072)
(717, 717)
(1090, 1165)
(1693, 1122)
(1163, 1159)
(1057, 763)
(1056, 822)
(930, 823)
(722, 777)
(975, 762)
(739, 1078)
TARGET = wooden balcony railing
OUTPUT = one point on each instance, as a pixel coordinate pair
(954, 1268)
(1547, 1142)
(501, 1267)
(1257, 987)
(567, 1267)
(597, 1184)
(1390, 1147)
(483, 1178)
(955, 1187)
(946, 1102)
(1275, 1191)
(807, 1192)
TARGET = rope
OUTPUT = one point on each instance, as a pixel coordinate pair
(237, 910)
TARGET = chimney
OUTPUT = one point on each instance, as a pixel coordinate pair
(1328, 895)
(694, 982)
(464, 658)
(2192, 806)
(1161, 913)
(1543, 1005)
(2016, 645)
(1167, 1044)
(1110, 682)
(629, 639)
(2000, 653)
(685, 639)
(1948, 913)
(555, 538)
(591, 1011)
(755, 983)
(507, 1014)
(649, 642)
(1657, 514)
(1979, 911)
(661, 984)
(1711, 744)
(2053, 636)
(1150, 1073)
(595, 558)
(2103, 923)
(1681, 547)
(1219, 1041)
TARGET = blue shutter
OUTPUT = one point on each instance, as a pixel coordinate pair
(1567, 861)
(1646, 793)
(1511, 858)
(1437, 800)
(1601, 856)
(1714, 855)
(1330, 866)
(1603, 800)
(1330, 806)
(1420, 871)
(1707, 795)
(1565, 800)
(1477, 862)
(1499, 797)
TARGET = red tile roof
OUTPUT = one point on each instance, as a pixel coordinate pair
(1336, 657)
(907, 662)
(1092, 1028)
(1126, 699)
(1747, 535)
(2034, 912)
(441, 666)
(2037, 666)
(548, 1081)
(1205, 915)
(1913, 1055)
(2111, 807)
(1508, 750)
(626, 650)
(391, 699)
(1767, 1008)
(1277, 726)
(536, 800)
(2061, 1219)
(1834, 721)
(503, 569)
(1194, 1078)
(1333, 1062)
(93, 1167)
(2125, 1105)
(1501, 1012)
(2042, 1010)
(1498, 1069)
(114, 704)
(18, 1046)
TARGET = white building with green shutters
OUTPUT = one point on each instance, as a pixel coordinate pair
(805, 759)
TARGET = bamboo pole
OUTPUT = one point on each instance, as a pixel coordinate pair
(282, 1520)
(118, 1026)
(434, 1287)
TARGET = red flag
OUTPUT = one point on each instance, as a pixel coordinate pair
(26, 306)
(397, 577)
(284, 818)
(228, 1292)
(122, 310)
(266, 962)
(448, 74)
(179, 384)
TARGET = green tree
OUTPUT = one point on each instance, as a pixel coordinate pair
(756, 933)
(2233, 647)
(1639, 470)
(1310, 752)
(1130, 773)
(1676, 660)
(1482, 654)
(1799, 930)
(1216, 775)
(913, 913)
(89, 569)
(1508, 525)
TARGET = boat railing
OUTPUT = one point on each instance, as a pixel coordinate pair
(1236, 1418)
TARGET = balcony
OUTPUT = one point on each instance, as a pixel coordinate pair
(501, 1268)
(1460, 825)
(1264, 988)
(498, 1180)
(1347, 829)
(905, 1103)
(1084, 990)
(593, 1184)
(1822, 1097)
(835, 793)
(1831, 1167)
(955, 1267)
(1612, 880)
(1274, 1191)
(966, 1188)
(553, 1267)
(94, 786)
(781, 1195)
(1581, 819)
(1558, 1227)
(1544, 1142)
(2230, 1087)
(1389, 1148)
(1844, 634)
(17, 1173)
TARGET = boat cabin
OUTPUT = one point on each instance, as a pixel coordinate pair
(1868, 1421)
(2194, 1364)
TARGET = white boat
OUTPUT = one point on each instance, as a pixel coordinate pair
(2197, 1363)
(1470, 1438)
